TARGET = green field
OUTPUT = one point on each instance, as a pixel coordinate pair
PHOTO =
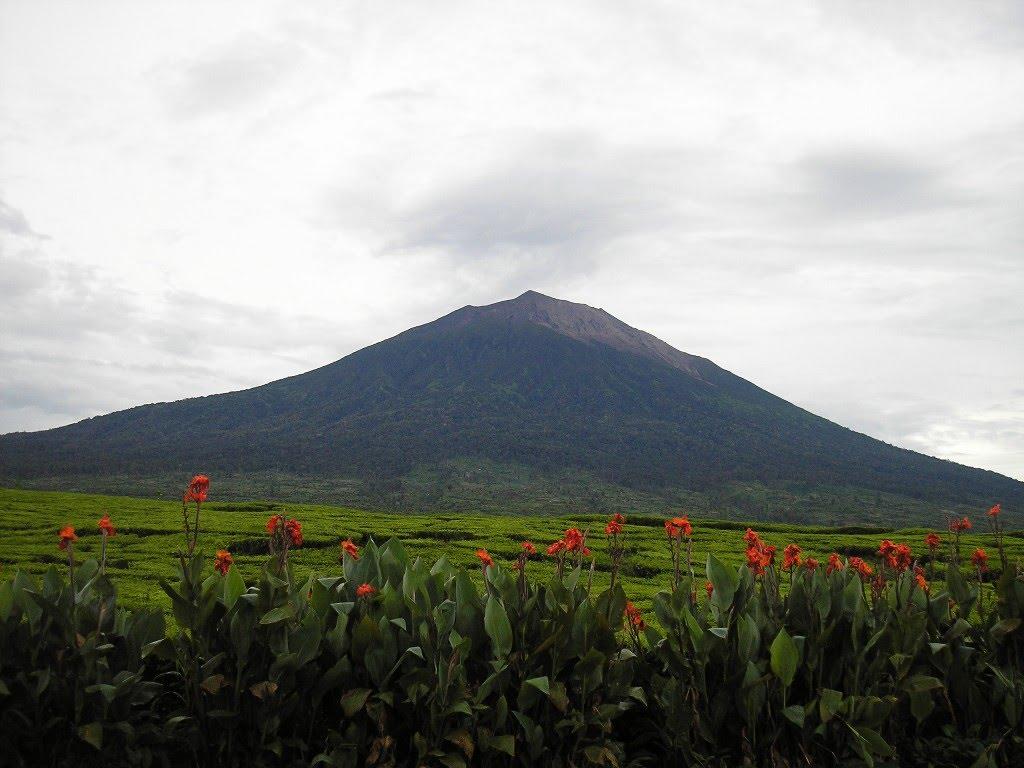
(149, 535)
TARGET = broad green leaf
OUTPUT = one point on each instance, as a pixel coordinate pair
(784, 657)
(498, 627)
(92, 733)
(353, 701)
(723, 579)
(234, 586)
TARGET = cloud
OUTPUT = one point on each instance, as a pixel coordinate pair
(232, 76)
(14, 222)
(873, 184)
(552, 207)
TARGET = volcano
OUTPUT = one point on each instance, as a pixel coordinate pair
(533, 382)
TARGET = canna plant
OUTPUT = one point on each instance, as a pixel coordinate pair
(394, 661)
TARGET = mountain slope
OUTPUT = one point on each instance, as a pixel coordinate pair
(533, 381)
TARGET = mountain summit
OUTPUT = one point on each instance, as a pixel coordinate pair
(577, 321)
(524, 399)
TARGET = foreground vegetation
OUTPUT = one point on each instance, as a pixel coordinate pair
(766, 657)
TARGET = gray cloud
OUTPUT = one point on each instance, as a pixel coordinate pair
(235, 75)
(552, 207)
(14, 222)
(873, 184)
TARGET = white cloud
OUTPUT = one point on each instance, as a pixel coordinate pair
(822, 198)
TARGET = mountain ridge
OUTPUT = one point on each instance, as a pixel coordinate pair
(533, 381)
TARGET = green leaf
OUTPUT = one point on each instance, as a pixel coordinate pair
(724, 580)
(785, 657)
(277, 615)
(540, 683)
(498, 627)
(354, 700)
(234, 587)
(795, 715)
(92, 734)
(504, 743)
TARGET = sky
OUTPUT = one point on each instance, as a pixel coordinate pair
(822, 197)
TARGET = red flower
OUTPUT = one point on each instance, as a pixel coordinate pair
(922, 582)
(366, 590)
(961, 525)
(528, 548)
(678, 526)
(751, 537)
(811, 564)
(273, 523)
(223, 561)
(709, 588)
(932, 541)
(197, 489)
(67, 535)
(106, 526)
(863, 569)
(612, 528)
(349, 548)
(484, 558)
(835, 563)
(896, 556)
(790, 557)
(294, 530)
(980, 559)
(760, 558)
(633, 615)
(556, 547)
(574, 540)
(994, 510)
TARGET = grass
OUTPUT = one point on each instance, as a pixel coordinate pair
(149, 535)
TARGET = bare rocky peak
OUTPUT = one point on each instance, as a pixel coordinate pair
(581, 322)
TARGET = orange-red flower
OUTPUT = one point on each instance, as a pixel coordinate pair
(366, 590)
(994, 510)
(790, 557)
(223, 561)
(556, 547)
(574, 539)
(528, 548)
(961, 525)
(633, 615)
(835, 563)
(67, 535)
(980, 559)
(614, 526)
(273, 523)
(932, 541)
(896, 556)
(922, 582)
(709, 588)
(484, 558)
(678, 526)
(751, 538)
(349, 548)
(197, 489)
(863, 569)
(811, 564)
(106, 526)
(294, 530)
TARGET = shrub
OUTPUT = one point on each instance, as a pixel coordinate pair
(393, 661)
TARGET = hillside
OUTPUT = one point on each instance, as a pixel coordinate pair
(537, 383)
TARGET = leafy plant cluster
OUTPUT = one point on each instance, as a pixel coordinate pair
(395, 661)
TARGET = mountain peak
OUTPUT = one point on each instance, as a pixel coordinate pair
(581, 322)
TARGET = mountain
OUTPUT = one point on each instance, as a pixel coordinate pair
(551, 388)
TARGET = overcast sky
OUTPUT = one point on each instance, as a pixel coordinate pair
(826, 198)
